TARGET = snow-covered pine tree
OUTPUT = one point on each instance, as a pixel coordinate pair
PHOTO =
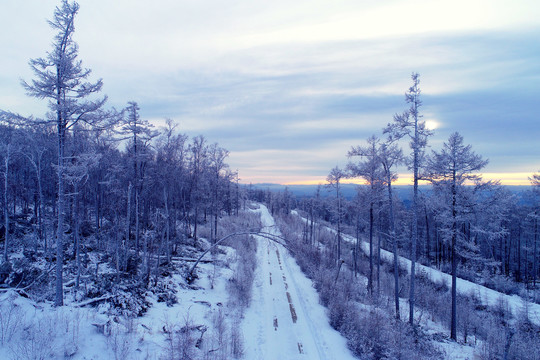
(449, 170)
(409, 124)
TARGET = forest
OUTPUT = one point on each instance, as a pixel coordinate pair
(100, 206)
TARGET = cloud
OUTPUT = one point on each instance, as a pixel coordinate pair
(481, 90)
(288, 87)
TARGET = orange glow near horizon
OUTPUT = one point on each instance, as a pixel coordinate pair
(406, 179)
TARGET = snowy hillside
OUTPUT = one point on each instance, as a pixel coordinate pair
(487, 296)
(514, 311)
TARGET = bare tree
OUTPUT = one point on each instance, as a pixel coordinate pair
(170, 162)
(140, 133)
(535, 182)
(8, 153)
(81, 162)
(217, 156)
(62, 80)
(334, 181)
(370, 169)
(390, 156)
(35, 148)
(197, 165)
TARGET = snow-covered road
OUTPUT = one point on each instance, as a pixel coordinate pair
(285, 319)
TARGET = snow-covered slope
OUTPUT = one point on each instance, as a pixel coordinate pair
(487, 296)
(285, 319)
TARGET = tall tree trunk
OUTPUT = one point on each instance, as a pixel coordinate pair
(394, 243)
(41, 234)
(370, 278)
(502, 257)
(357, 244)
(526, 277)
(137, 183)
(453, 320)
(98, 214)
(507, 248)
(117, 248)
(338, 225)
(167, 226)
(379, 230)
(312, 223)
(518, 253)
(77, 239)
(414, 236)
(6, 208)
(137, 221)
(59, 298)
(216, 207)
(535, 250)
(195, 222)
(125, 243)
(146, 260)
(428, 237)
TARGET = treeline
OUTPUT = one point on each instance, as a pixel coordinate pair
(499, 239)
(511, 253)
(137, 191)
(86, 178)
(499, 235)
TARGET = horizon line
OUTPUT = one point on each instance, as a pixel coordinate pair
(507, 179)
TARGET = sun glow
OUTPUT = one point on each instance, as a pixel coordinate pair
(432, 124)
(510, 179)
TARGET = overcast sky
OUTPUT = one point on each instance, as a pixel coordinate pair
(289, 86)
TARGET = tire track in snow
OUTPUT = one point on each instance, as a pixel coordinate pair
(317, 339)
(314, 337)
(274, 326)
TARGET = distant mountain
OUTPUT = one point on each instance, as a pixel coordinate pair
(349, 191)
(404, 192)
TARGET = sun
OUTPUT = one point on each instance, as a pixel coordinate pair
(432, 124)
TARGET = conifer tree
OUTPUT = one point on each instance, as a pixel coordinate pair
(410, 125)
(448, 170)
(61, 79)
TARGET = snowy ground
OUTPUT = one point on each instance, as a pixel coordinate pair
(489, 297)
(30, 330)
(285, 319)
